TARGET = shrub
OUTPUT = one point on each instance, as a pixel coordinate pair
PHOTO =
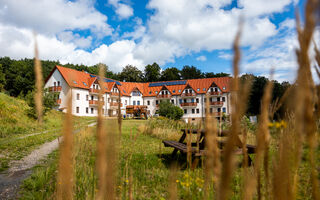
(167, 109)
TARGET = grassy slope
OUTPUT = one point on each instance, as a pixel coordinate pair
(15, 125)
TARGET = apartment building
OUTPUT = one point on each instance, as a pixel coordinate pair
(190, 94)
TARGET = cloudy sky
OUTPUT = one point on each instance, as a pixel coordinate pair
(169, 32)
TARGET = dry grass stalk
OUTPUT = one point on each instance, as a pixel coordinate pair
(189, 141)
(212, 162)
(233, 139)
(119, 116)
(39, 82)
(304, 112)
(101, 143)
(173, 190)
(263, 137)
(65, 170)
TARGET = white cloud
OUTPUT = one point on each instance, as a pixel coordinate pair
(19, 43)
(201, 58)
(253, 8)
(52, 17)
(68, 36)
(124, 11)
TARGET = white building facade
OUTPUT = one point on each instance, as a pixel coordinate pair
(190, 95)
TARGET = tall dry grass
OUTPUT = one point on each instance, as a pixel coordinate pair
(38, 83)
(65, 169)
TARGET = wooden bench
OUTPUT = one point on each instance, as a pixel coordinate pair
(198, 148)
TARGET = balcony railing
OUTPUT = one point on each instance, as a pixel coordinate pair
(215, 93)
(189, 104)
(95, 91)
(58, 101)
(55, 89)
(164, 96)
(114, 94)
(188, 94)
(95, 103)
(216, 103)
(115, 104)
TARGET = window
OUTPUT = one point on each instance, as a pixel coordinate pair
(58, 83)
(84, 84)
(148, 103)
(180, 101)
(87, 97)
(150, 92)
(185, 100)
(197, 100)
(198, 89)
(54, 84)
(75, 82)
(108, 100)
(172, 101)
(204, 89)
(157, 102)
(223, 99)
(87, 110)
(185, 111)
(219, 109)
(138, 103)
(179, 91)
(211, 110)
(192, 100)
(193, 111)
(78, 96)
(92, 97)
(134, 103)
(205, 99)
(218, 98)
(156, 92)
(198, 111)
(125, 102)
(173, 91)
(224, 87)
(224, 110)
(77, 109)
(91, 110)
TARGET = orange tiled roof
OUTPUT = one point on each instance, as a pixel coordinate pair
(77, 79)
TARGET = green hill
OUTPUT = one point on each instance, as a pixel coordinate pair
(14, 117)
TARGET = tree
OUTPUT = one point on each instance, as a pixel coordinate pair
(213, 75)
(170, 74)
(49, 101)
(167, 109)
(131, 74)
(2, 79)
(192, 72)
(152, 73)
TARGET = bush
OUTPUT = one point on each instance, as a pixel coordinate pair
(49, 101)
(167, 109)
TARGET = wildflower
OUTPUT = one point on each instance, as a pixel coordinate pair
(127, 181)
(177, 181)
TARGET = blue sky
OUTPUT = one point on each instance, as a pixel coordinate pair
(172, 33)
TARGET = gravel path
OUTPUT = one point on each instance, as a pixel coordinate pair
(10, 181)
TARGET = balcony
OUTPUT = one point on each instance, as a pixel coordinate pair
(215, 93)
(164, 96)
(58, 101)
(94, 91)
(216, 103)
(188, 94)
(114, 94)
(189, 104)
(55, 89)
(115, 104)
(95, 103)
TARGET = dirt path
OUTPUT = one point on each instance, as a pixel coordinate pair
(10, 181)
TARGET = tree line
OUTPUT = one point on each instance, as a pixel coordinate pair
(17, 77)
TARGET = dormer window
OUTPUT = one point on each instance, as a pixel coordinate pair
(58, 83)
(54, 84)
(75, 82)
(156, 92)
